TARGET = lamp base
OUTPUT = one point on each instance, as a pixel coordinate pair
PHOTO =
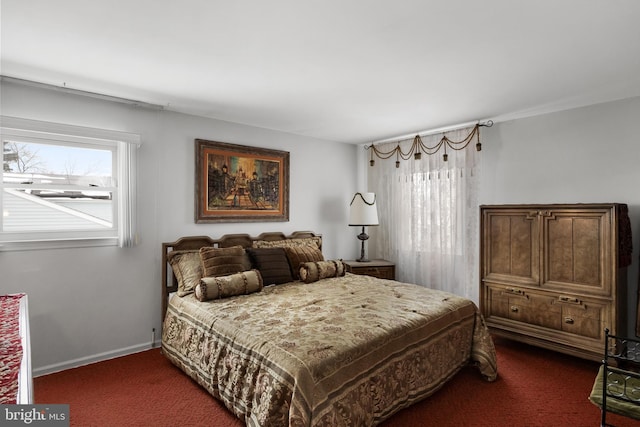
(362, 237)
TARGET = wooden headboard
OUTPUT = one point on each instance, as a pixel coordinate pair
(169, 281)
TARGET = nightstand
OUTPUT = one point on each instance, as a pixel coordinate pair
(376, 268)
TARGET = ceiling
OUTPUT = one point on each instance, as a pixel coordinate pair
(353, 71)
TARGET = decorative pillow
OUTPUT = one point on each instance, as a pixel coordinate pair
(287, 243)
(187, 269)
(298, 255)
(272, 263)
(223, 261)
(242, 283)
(314, 271)
(620, 386)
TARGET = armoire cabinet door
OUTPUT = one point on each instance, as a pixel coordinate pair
(510, 246)
(577, 250)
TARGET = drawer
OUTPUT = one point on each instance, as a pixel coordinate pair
(560, 312)
(380, 272)
(522, 306)
(585, 319)
(377, 268)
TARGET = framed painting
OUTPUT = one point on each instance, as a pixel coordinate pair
(238, 183)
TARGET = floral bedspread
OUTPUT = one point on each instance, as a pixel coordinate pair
(351, 350)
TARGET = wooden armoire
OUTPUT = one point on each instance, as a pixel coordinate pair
(554, 276)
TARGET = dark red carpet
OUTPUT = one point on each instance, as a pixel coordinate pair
(535, 387)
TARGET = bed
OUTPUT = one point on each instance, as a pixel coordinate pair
(323, 347)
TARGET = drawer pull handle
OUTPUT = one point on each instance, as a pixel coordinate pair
(515, 291)
(569, 299)
(514, 308)
(568, 320)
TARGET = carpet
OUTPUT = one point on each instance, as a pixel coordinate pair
(535, 387)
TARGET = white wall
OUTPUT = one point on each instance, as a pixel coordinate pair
(89, 304)
(589, 154)
(93, 303)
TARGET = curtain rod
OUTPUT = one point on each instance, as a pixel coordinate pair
(483, 123)
(82, 92)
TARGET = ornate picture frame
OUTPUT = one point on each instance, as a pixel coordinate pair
(239, 183)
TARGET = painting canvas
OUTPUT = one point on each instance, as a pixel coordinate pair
(237, 183)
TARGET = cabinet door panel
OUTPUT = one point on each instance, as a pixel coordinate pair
(575, 250)
(522, 247)
(587, 249)
(511, 252)
(560, 249)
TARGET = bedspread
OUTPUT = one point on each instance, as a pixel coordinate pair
(350, 350)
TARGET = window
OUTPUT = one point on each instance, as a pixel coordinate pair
(428, 212)
(65, 185)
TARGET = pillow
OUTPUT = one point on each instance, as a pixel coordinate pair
(314, 271)
(272, 263)
(223, 261)
(298, 255)
(287, 243)
(620, 386)
(187, 269)
(242, 283)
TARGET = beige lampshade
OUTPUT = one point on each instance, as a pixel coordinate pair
(363, 209)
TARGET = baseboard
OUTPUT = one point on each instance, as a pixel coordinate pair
(100, 357)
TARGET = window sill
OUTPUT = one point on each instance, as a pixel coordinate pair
(33, 245)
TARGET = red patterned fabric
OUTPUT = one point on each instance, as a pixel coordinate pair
(10, 347)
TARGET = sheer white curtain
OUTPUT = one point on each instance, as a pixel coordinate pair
(429, 216)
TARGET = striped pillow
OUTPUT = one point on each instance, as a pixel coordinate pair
(298, 255)
(242, 283)
(314, 271)
(223, 261)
